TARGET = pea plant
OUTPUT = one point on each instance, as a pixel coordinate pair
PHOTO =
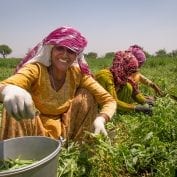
(138, 145)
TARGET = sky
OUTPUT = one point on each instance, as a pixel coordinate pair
(108, 25)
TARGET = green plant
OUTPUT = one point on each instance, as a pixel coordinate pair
(137, 145)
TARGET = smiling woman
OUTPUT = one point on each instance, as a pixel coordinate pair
(53, 92)
(61, 59)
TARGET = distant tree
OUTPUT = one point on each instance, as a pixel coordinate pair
(147, 54)
(92, 55)
(173, 53)
(161, 52)
(5, 50)
(109, 55)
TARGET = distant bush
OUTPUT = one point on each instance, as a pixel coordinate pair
(9, 62)
(7, 67)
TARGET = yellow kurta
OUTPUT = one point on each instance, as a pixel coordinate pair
(52, 104)
(105, 78)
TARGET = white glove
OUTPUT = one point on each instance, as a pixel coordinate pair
(99, 125)
(18, 102)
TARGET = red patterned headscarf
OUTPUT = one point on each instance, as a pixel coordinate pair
(124, 64)
(138, 52)
(63, 36)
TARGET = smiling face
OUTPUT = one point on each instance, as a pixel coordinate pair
(62, 57)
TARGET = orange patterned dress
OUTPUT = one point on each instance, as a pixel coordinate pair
(67, 112)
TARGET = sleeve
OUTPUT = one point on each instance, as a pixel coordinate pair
(103, 98)
(144, 80)
(140, 98)
(24, 78)
(121, 105)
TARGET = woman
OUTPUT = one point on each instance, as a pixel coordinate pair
(117, 82)
(53, 93)
(138, 52)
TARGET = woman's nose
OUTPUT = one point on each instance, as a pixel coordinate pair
(65, 53)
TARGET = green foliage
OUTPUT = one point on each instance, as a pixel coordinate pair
(5, 50)
(7, 67)
(9, 62)
(138, 145)
(161, 52)
(161, 70)
(91, 55)
(97, 64)
(173, 53)
(109, 55)
(11, 164)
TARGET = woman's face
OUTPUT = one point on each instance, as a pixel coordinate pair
(62, 57)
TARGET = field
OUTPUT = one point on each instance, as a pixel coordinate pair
(138, 145)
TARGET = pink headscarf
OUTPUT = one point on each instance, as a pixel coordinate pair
(138, 52)
(124, 64)
(68, 37)
(63, 36)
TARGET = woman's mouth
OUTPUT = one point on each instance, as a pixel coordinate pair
(63, 61)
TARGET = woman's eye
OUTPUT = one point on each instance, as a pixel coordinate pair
(70, 51)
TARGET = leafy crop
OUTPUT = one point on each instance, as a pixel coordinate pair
(137, 145)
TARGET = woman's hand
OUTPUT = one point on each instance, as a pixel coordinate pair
(99, 125)
(18, 102)
(146, 109)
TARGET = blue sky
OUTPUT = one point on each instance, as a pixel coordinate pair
(108, 25)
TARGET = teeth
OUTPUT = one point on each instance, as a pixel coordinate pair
(63, 61)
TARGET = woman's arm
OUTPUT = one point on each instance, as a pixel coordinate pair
(103, 98)
(25, 77)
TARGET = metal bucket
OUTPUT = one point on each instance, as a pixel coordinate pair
(43, 149)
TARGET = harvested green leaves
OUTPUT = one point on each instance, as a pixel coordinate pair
(11, 164)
